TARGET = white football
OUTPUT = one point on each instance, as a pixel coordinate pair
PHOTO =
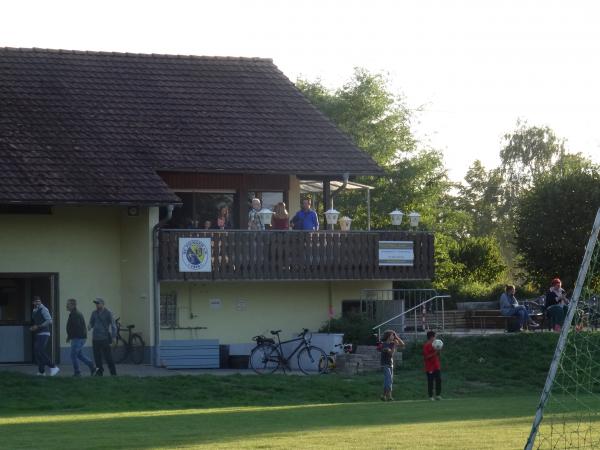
(437, 344)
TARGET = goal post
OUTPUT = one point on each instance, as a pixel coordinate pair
(561, 436)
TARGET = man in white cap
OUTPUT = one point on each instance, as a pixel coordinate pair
(104, 330)
(42, 320)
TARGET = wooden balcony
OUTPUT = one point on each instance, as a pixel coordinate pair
(296, 255)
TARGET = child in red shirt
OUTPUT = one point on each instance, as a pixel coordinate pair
(431, 358)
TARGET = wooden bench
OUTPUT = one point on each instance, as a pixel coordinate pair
(490, 319)
(493, 319)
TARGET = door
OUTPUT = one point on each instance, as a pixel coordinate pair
(16, 293)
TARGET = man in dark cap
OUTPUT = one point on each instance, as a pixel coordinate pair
(104, 330)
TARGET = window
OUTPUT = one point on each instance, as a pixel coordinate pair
(200, 207)
(168, 310)
(267, 199)
(13, 304)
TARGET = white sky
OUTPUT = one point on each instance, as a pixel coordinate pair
(475, 66)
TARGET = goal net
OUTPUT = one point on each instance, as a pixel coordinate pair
(568, 415)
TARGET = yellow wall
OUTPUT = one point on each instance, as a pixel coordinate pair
(136, 271)
(248, 309)
(96, 251)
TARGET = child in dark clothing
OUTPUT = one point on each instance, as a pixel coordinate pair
(431, 357)
(391, 341)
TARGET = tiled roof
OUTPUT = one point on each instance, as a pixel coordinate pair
(91, 127)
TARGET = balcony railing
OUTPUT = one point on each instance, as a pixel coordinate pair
(296, 255)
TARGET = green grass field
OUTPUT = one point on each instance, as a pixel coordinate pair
(489, 404)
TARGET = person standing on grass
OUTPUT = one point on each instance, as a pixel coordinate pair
(77, 335)
(391, 341)
(42, 321)
(104, 332)
(431, 358)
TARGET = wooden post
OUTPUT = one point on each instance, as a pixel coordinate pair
(327, 201)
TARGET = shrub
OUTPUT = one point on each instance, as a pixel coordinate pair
(357, 329)
(481, 292)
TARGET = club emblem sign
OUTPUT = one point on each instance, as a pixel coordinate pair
(194, 255)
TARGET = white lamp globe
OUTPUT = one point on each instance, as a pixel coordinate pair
(396, 217)
(345, 223)
(265, 216)
(414, 219)
(331, 216)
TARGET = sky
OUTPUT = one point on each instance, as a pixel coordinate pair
(470, 69)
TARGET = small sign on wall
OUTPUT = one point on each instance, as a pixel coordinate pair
(241, 305)
(215, 303)
(195, 255)
(396, 253)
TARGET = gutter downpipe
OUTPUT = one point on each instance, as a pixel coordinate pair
(155, 231)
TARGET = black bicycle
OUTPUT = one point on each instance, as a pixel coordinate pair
(268, 356)
(133, 347)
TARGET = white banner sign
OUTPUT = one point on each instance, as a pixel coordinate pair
(194, 255)
(396, 253)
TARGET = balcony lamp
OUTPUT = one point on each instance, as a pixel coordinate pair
(414, 219)
(265, 216)
(396, 217)
(345, 223)
(331, 216)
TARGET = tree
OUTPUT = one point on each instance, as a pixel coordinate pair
(480, 260)
(528, 153)
(553, 222)
(415, 178)
(479, 197)
(377, 120)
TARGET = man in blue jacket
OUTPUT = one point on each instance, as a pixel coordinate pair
(305, 219)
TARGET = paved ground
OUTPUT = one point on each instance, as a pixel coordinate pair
(128, 369)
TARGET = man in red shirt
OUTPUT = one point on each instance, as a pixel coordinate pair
(431, 357)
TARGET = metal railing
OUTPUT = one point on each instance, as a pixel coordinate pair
(426, 315)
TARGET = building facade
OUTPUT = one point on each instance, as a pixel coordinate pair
(108, 162)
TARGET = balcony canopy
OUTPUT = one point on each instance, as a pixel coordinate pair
(309, 186)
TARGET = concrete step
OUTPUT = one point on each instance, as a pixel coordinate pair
(351, 363)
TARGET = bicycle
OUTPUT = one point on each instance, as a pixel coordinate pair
(268, 356)
(133, 347)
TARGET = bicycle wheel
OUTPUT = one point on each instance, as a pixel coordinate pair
(264, 359)
(137, 349)
(312, 360)
(330, 365)
(119, 351)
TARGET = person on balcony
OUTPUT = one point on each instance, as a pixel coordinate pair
(556, 304)
(306, 219)
(223, 221)
(254, 222)
(509, 306)
(280, 219)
